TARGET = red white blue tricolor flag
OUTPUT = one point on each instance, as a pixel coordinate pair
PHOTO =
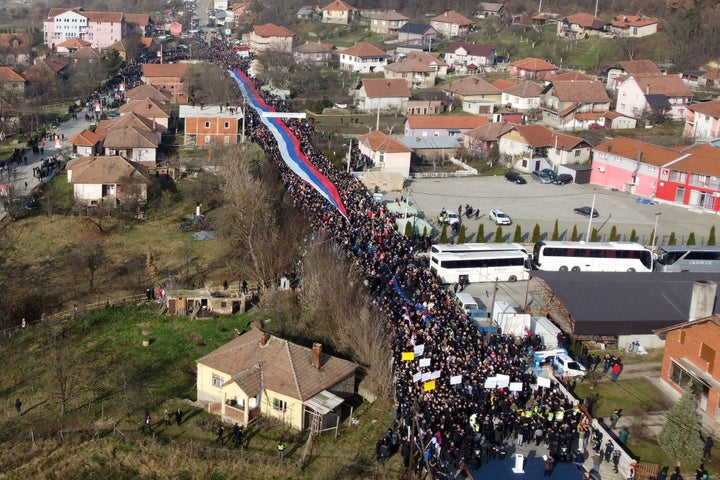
(288, 144)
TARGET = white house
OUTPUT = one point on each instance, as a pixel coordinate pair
(388, 154)
(523, 97)
(116, 178)
(382, 94)
(363, 58)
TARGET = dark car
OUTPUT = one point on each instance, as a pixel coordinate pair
(515, 177)
(563, 179)
(586, 211)
(550, 173)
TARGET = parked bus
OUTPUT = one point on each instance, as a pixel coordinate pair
(688, 258)
(592, 257)
(476, 247)
(487, 266)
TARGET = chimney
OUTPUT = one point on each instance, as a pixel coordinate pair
(264, 339)
(317, 355)
(702, 300)
(647, 89)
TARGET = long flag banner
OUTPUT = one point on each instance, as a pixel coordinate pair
(288, 143)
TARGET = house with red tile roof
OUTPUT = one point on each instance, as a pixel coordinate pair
(387, 154)
(11, 82)
(702, 120)
(527, 148)
(114, 179)
(315, 53)
(563, 100)
(153, 110)
(168, 78)
(363, 57)
(633, 26)
(139, 23)
(15, 49)
(145, 91)
(532, 69)
(467, 57)
(474, 88)
(211, 125)
(387, 22)
(101, 29)
(580, 25)
(86, 143)
(572, 75)
(49, 71)
(339, 12)
(522, 97)
(710, 79)
(442, 125)
(258, 374)
(381, 94)
(270, 37)
(86, 55)
(617, 73)
(630, 165)
(71, 45)
(451, 24)
(642, 94)
(483, 138)
(418, 69)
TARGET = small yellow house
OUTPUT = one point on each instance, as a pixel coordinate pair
(260, 374)
(338, 12)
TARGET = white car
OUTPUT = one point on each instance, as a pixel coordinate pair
(499, 217)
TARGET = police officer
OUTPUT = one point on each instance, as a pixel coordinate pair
(281, 450)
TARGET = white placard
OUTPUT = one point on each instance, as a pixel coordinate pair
(543, 382)
(419, 350)
(455, 379)
(426, 376)
(516, 386)
(435, 375)
(424, 362)
(502, 381)
(490, 382)
(417, 377)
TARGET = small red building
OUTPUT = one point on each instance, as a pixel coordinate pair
(693, 179)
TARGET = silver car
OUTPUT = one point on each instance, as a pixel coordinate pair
(499, 217)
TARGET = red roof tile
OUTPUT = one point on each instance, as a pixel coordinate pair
(539, 136)
(165, 70)
(385, 88)
(364, 49)
(379, 142)
(452, 17)
(463, 122)
(7, 74)
(629, 148)
(272, 30)
(533, 64)
(339, 6)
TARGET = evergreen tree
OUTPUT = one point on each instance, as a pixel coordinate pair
(408, 229)
(594, 235)
(711, 237)
(613, 234)
(536, 233)
(517, 238)
(680, 437)
(574, 235)
(672, 240)
(462, 234)
(443, 234)
(653, 238)
(691, 238)
(480, 236)
(556, 231)
(633, 236)
(498, 235)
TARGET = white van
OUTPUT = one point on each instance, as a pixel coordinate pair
(467, 302)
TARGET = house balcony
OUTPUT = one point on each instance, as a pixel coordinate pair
(236, 413)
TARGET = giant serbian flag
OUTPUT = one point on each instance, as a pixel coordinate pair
(288, 144)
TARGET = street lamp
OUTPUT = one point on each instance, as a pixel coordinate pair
(654, 232)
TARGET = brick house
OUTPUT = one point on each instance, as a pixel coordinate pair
(168, 78)
(208, 125)
(260, 374)
(451, 24)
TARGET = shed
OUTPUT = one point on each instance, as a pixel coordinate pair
(580, 173)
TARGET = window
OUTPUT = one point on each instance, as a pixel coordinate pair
(227, 124)
(682, 337)
(708, 354)
(279, 404)
(217, 380)
(207, 124)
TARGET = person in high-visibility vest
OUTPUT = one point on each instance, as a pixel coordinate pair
(281, 450)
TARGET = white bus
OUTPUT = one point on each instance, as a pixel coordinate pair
(688, 258)
(476, 247)
(488, 266)
(592, 257)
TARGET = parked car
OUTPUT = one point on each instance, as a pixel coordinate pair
(563, 178)
(515, 177)
(550, 173)
(540, 177)
(450, 218)
(566, 366)
(499, 217)
(586, 211)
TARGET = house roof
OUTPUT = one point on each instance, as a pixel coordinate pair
(540, 136)
(165, 70)
(582, 91)
(8, 41)
(472, 86)
(74, 42)
(316, 47)
(502, 84)
(490, 132)
(490, 7)
(55, 63)
(668, 85)
(380, 142)
(86, 138)
(141, 19)
(571, 75)
(141, 92)
(658, 100)
(462, 122)
(431, 143)
(385, 88)
(452, 17)
(8, 75)
(526, 89)
(640, 67)
(417, 62)
(629, 21)
(111, 169)
(130, 137)
(131, 119)
(105, 17)
(712, 318)
(271, 30)
(703, 158)
(415, 28)
(629, 148)
(641, 302)
(713, 74)
(533, 64)
(475, 49)
(87, 53)
(148, 108)
(711, 108)
(285, 368)
(339, 5)
(208, 111)
(389, 15)
(364, 50)
(585, 20)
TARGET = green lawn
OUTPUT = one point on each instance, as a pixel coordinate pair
(632, 395)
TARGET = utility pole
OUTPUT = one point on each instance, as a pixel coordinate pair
(492, 309)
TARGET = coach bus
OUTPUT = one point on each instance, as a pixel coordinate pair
(592, 257)
(688, 258)
(486, 266)
(476, 247)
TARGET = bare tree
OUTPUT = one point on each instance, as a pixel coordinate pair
(65, 366)
(50, 198)
(90, 258)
